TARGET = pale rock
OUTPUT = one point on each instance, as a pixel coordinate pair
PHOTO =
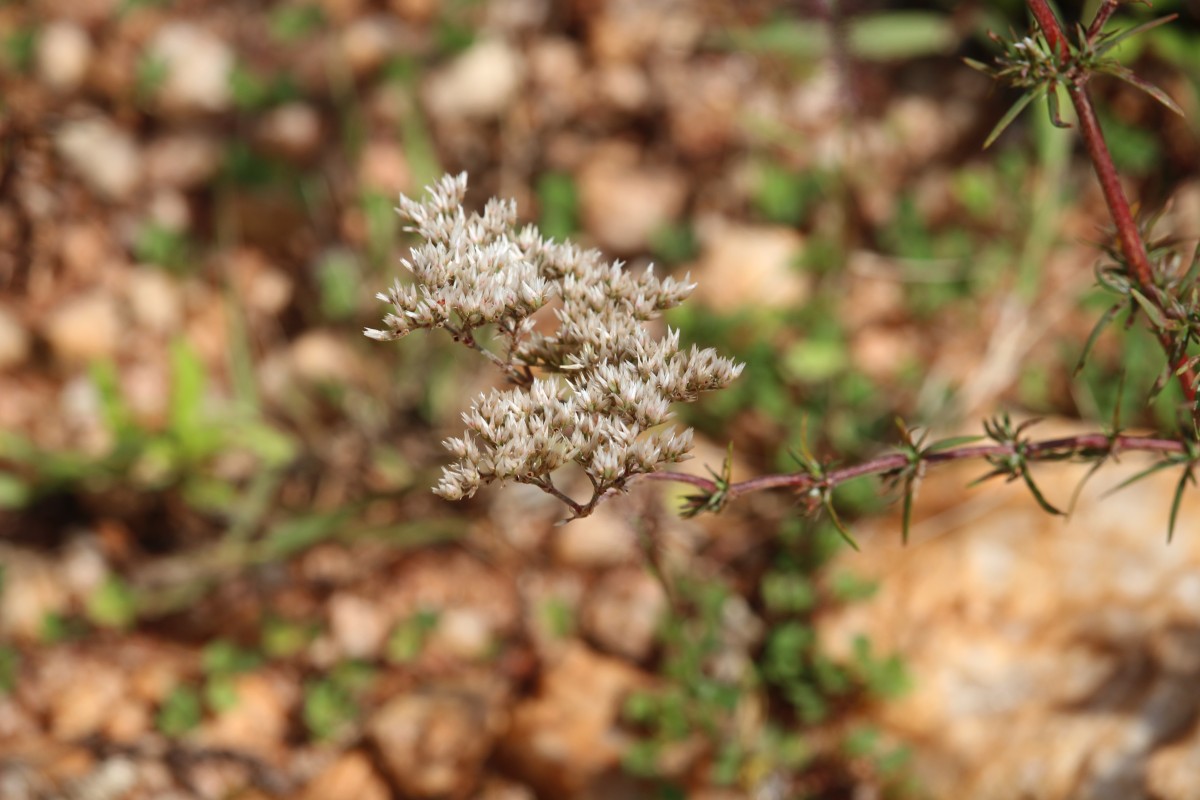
(351, 775)
(434, 743)
(1171, 771)
(1050, 659)
(128, 722)
(84, 328)
(83, 566)
(415, 10)
(146, 389)
(566, 737)
(84, 249)
(262, 287)
(479, 84)
(603, 539)
(104, 155)
(14, 340)
(291, 130)
(625, 86)
(32, 591)
(341, 11)
(322, 356)
(463, 633)
(558, 74)
(183, 160)
(928, 127)
(1183, 212)
(155, 300)
(357, 625)
(257, 721)
(368, 42)
(83, 705)
(873, 291)
(623, 611)
(198, 66)
(169, 209)
(497, 788)
(64, 51)
(882, 351)
(114, 777)
(749, 266)
(624, 203)
(383, 167)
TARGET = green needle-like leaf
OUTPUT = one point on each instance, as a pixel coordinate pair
(1116, 39)
(1038, 496)
(910, 492)
(1148, 471)
(1117, 71)
(1107, 317)
(827, 501)
(1152, 311)
(1187, 477)
(1011, 115)
(951, 443)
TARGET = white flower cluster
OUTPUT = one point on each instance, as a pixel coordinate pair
(596, 392)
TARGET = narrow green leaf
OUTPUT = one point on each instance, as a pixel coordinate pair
(1147, 87)
(1038, 496)
(1011, 115)
(995, 473)
(1107, 317)
(1152, 311)
(1187, 477)
(1116, 39)
(951, 443)
(979, 65)
(1055, 108)
(1083, 481)
(827, 501)
(1150, 470)
(909, 497)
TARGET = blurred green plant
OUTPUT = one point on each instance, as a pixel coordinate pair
(331, 702)
(408, 639)
(789, 685)
(294, 23)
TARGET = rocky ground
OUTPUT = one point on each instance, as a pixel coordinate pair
(223, 574)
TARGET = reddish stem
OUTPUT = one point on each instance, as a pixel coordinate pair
(1091, 444)
(1128, 235)
(1050, 27)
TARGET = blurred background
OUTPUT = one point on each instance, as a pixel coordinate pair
(223, 574)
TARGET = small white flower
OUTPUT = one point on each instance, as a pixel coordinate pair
(607, 385)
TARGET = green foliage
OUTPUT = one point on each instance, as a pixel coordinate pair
(339, 282)
(558, 203)
(10, 666)
(884, 36)
(181, 712)
(331, 702)
(253, 91)
(408, 638)
(786, 197)
(149, 75)
(113, 604)
(283, 638)
(294, 23)
(162, 246)
(18, 48)
(789, 672)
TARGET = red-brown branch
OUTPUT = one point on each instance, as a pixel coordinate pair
(1128, 235)
(1085, 445)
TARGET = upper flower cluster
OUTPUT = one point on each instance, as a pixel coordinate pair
(595, 391)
